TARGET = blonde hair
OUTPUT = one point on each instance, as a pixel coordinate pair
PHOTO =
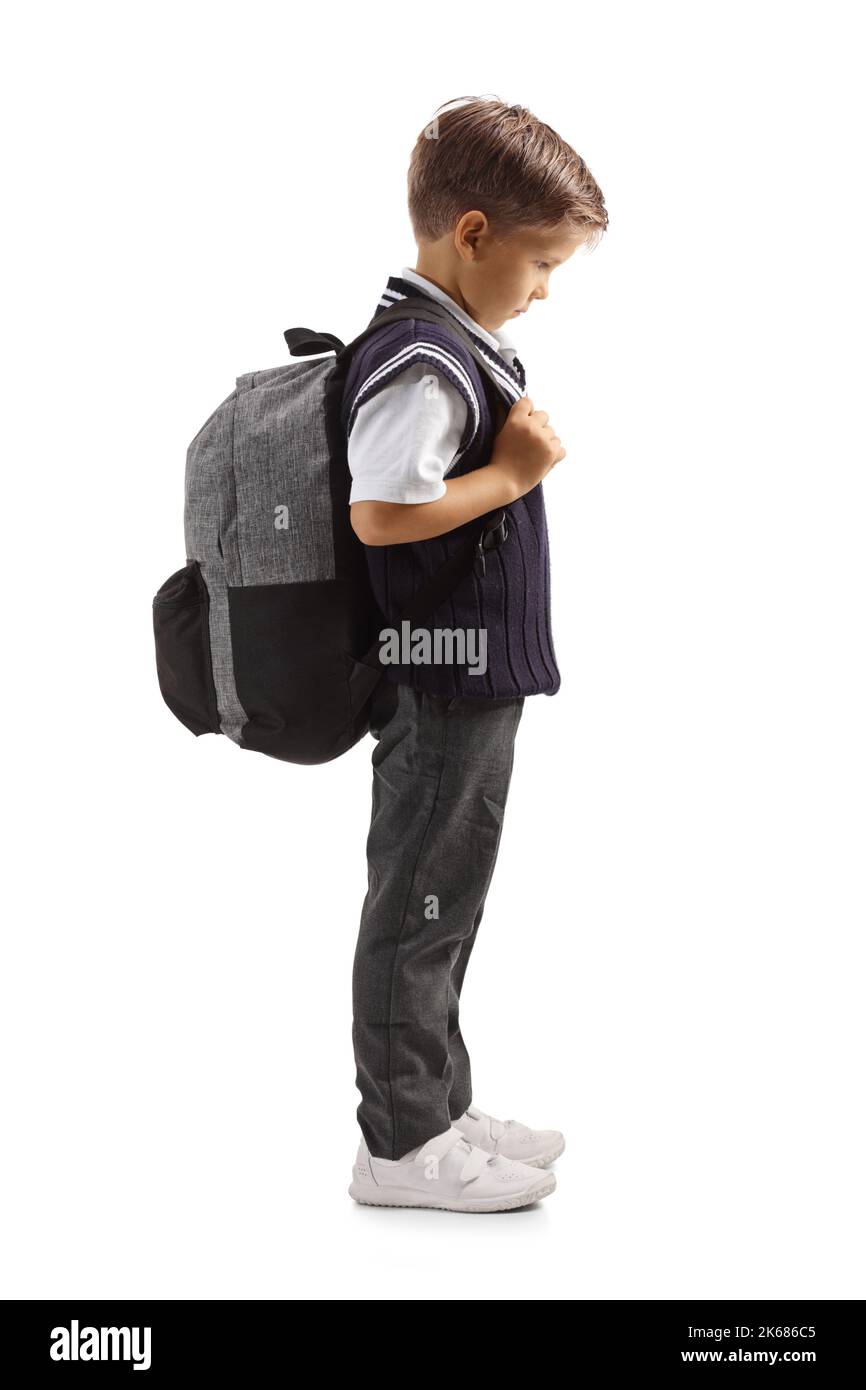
(481, 153)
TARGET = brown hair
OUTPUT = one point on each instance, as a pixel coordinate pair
(502, 160)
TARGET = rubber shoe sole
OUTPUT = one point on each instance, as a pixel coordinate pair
(407, 1197)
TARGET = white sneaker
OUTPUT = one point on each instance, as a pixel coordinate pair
(448, 1173)
(534, 1147)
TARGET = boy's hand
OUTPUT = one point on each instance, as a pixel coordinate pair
(524, 450)
(526, 447)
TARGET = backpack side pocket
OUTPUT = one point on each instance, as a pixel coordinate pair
(181, 632)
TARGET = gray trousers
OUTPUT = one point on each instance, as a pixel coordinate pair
(441, 771)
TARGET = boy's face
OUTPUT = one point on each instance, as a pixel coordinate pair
(506, 273)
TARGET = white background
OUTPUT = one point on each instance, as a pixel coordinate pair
(670, 967)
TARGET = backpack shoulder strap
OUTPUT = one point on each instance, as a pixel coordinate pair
(428, 311)
(303, 342)
(493, 526)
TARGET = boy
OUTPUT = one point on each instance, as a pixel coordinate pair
(497, 201)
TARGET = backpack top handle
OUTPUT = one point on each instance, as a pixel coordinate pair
(303, 342)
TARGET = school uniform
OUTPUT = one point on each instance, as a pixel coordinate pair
(391, 430)
(417, 411)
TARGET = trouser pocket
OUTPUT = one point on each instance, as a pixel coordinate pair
(183, 654)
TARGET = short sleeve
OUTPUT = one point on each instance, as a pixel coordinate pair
(406, 437)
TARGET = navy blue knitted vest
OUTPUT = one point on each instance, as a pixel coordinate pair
(512, 599)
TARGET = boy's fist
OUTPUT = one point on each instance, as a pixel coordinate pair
(526, 447)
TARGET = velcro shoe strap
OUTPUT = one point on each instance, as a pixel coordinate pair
(475, 1164)
(438, 1146)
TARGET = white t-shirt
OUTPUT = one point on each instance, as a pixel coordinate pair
(405, 438)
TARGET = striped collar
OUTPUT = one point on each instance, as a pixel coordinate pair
(500, 347)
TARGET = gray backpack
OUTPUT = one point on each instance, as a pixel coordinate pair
(268, 633)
